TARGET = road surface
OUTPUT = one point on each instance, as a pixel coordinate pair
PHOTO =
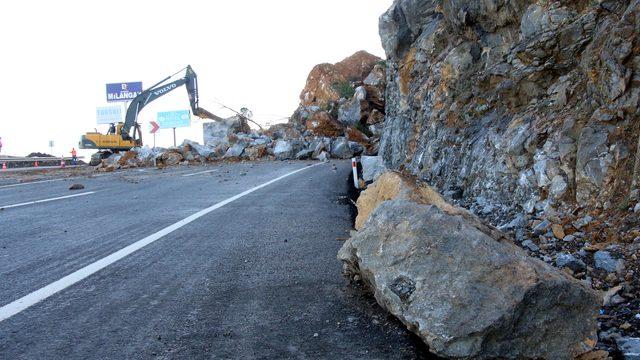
(229, 261)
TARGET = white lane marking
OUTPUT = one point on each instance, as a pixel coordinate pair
(35, 297)
(46, 200)
(201, 172)
(31, 182)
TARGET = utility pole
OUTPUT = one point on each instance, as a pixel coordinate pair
(174, 137)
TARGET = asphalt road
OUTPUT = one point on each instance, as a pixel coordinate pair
(159, 264)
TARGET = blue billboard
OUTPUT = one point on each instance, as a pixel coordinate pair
(123, 91)
(174, 119)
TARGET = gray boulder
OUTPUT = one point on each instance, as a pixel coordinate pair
(213, 131)
(235, 151)
(629, 347)
(352, 111)
(304, 154)
(197, 149)
(372, 167)
(341, 149)
(283, 150)
(571, 262)
(605, 261)
(466, 294)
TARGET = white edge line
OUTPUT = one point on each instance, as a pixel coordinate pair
(35, 297)
(46, 200)
(201, 172)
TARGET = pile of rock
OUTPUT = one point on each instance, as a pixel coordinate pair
(346, 99)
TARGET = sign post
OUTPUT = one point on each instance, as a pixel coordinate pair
(174, 137)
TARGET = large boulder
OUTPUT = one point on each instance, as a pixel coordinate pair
(283, 150)
(111, 163)
(204, 152)
(327, 83)
(375, 84)
(322, 124)
(372, 167)
(353, 111)
(235, 152)
(357, 66)
(340, 148)
(465, 293)
(214, 131)
(171, 157)
(392, 185)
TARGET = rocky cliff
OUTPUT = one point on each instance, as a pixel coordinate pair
(527, 105)
(526, 113)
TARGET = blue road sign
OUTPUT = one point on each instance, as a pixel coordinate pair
(123, 91)
(174, 119)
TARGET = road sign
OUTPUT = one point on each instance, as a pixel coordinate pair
(109, 114)
(154, 126)
(123, 91)
(174, 119)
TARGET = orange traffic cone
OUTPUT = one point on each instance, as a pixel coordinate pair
(4, 166)
(36, 164)
(62, 163)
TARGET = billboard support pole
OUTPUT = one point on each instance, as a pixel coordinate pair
(154, 140)
(174, 137)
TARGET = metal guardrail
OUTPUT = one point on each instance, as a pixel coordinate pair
(33, 159)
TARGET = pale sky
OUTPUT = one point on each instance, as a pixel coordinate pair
(57, 57)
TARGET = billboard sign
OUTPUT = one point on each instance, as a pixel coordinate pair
(174, 119)
(123, 91)
(108, 114)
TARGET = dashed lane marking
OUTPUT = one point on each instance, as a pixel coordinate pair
(45, 200)
(37, 296)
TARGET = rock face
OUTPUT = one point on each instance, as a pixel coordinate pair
(526, 102)
(466, 294)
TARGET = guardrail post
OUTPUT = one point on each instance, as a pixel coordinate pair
(354, 168)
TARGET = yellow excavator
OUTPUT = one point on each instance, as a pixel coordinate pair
(120, 136)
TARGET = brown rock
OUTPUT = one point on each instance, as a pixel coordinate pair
(376, 84)
(357, 136)
(255, 152)
(322, 124)
(392, 185)
(558, 231)
(357, 66)
(375, 117)
(595, 355)
(320, 89)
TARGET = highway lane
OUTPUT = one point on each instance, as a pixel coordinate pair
(255, 278)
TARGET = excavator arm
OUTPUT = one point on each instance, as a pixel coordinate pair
(190, 80)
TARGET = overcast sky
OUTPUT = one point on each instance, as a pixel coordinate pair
(58, 55)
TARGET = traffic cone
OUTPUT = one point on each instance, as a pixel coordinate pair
(36, 164)
(62, 162)
(4, 166)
